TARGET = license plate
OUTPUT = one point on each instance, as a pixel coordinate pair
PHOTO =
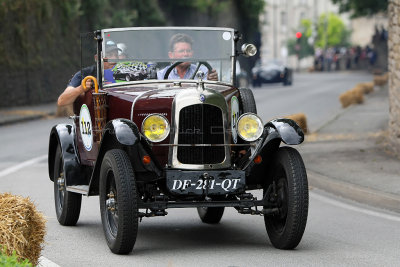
(201, 182)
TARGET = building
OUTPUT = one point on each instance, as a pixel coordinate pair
(281, 19)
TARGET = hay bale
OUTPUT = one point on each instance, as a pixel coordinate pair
(353, 96)
(358, 95)
(366, 87)
(346, 99)
(381, 80)
(65, 111)
(300, 119)
(22, 227)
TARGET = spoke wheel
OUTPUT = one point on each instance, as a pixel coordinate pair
(67, 204)
(118, 202)
(211, 215)
(286, 228)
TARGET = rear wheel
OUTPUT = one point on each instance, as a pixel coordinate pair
(118, 202)
(67, 204)
(211, 215)
(285, 229)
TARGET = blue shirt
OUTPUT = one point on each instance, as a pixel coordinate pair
(173, 75)
(76, 80)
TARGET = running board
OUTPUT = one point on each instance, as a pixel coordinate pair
(80, 189)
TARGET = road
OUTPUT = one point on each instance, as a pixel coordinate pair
(338, 232)
(314, 94)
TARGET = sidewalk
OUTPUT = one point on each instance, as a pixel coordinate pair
(349, 157)
(26, 113)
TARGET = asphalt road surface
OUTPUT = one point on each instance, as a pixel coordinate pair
(314, 94)
(338, 232)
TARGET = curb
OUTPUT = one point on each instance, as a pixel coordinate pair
(25, 118)
(354, 192)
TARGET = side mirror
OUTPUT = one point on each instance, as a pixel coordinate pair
(249, 50)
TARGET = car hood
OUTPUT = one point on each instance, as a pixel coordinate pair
(135, 102)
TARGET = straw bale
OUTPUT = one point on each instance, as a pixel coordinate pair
(353, 96)
(358, 95)
(366, 87)
(381, 80)
(300, 119)
(346, 99)
(22, 227)
(65, 111)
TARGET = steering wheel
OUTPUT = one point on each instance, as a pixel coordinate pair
(206, 64)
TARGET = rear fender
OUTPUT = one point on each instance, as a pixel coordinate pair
(123, 134)
(63, 135)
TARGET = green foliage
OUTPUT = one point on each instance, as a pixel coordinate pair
(202, 6)
(331, 31)
(361, 8)
(100, 14)
(300, 47)
(12, 261)
(250, 11)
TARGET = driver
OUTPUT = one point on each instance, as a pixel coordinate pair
(181, 48)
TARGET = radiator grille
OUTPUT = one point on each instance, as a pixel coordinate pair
(201, 124)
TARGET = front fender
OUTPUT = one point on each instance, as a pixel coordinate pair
(63, 135)
(122, 134)
(275, 132)
(288, 131)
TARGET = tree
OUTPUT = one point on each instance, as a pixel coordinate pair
(361, 8)
(302, 46)
(331, 31)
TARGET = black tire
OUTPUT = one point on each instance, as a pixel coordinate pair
(127, 78)
(286, 229)
(288, 79)
(67, 204)
(118, 202)
(248, 102)
(211, 215)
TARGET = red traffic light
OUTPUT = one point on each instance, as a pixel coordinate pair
(298, 35)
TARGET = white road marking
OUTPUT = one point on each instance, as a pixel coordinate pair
(354, 208)
(45, 262)
(22, 165)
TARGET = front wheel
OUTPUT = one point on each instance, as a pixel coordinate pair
(211, 215)
(118, 201)
(67, 204)
(286, 228)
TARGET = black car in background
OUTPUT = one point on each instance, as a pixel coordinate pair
(273, 72)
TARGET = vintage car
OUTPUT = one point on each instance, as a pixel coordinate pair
(272, 72)
(149, 145)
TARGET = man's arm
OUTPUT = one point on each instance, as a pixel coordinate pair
(71, 93)
(73, 90)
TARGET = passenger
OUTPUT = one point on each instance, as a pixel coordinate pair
(181, 48)
(74, 87)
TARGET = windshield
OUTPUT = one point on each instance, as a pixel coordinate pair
(137, 54)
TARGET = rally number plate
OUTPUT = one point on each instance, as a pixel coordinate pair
(203, 182)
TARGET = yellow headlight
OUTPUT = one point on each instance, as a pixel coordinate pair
(250, 127)
(155, 127)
